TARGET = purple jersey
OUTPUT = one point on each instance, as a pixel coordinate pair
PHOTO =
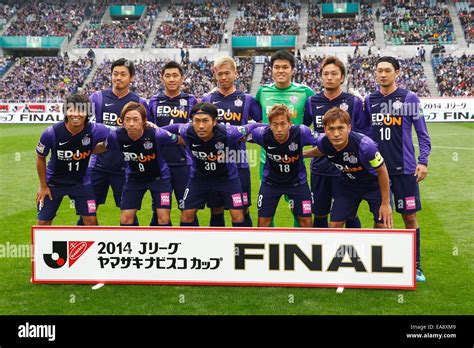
(70, 154)
(107, 109)
(392, 118)
(317, 106)
(284, 165)
(144, 156)
(165, 111)
(214, 158)
(235, 109)
(357, 161)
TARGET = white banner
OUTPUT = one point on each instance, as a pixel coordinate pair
(31, 112)
(238, 257)
(448, 109)
(434, 110)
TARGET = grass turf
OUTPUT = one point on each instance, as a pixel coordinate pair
(446, 248)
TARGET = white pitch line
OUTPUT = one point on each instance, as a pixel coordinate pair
(98, 286)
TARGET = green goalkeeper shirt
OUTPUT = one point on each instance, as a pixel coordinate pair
(294, 96)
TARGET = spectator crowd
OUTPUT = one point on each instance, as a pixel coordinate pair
(267, 17)
(193, 23)
(412, 22)
(454, 75)
(44, 78)
(340, 31)
(58, 18)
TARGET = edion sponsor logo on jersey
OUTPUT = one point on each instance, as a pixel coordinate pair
(379, 119)
(228, 115)
(68, 155)
(283, 159)
(111, 119)
(133, 157)
(204, 156)
(167, 111)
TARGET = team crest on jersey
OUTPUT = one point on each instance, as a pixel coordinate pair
(350, 158)
(147, 145)
(293, 146)
(238, 102)
(183, 102)
(86, 140)
(293, 99)
(242, 130)
(344, 106)
(219, 145)
(397, 105)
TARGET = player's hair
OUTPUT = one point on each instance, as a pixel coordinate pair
(277, 110)
(204, 108)
(79, 102)
(225, 60)
(335, 114)
(132, 106)
(392, 60)
(336, 61)
(126, 63)
(284, 55)
(172, 65)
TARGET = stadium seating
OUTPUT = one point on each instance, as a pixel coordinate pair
(454, 75)
(8, 9)
(123, 34)
(361, 78)
(416, 22)
(307, 72)
(266, 17)
(5, 63)
(340, 31)
(198, 76)
(466, 16)
(193, 24)
(60, 18)
(44, 78)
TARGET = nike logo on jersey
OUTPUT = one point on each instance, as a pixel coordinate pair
(196, 145)
(161, 101)
(319, 107)
(60, 143)
(272, 147)
(331, 156)
(374, 105)
(217, 102)
(106, 104)
(127, 145)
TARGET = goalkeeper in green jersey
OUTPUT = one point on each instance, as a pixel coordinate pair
(283, 91)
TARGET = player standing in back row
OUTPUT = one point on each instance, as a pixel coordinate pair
(393, 112)
(283, 91)
(108, 169)
(234, 107)
(324, 175)
(169, 107)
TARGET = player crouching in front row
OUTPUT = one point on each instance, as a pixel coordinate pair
(284, 172)
(364, 176)
(141, 147)
(213, 169)
(71, 143)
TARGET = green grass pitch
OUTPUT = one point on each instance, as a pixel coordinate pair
(447, 248)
